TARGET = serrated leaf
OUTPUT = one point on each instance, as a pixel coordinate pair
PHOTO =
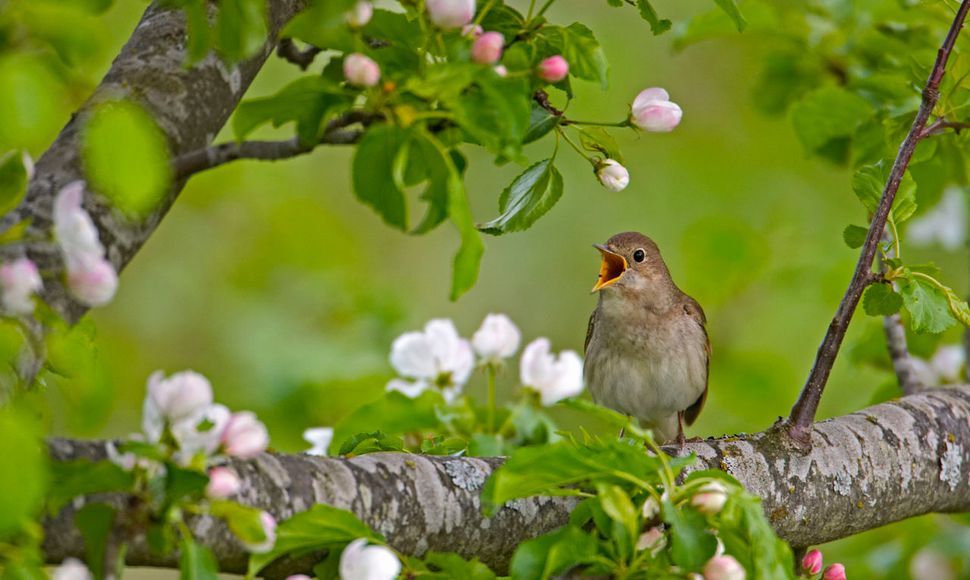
(541, 122)
(375, 183)
(881, 300)
(324, 25)
(824, 119)
(527, 198)
(599, 140)
(306, 101)
(370, 442)
(854, 236)
(393, 413)
(927, 305)
(551, 554)
(454, 566)
(584, 54)
(657, 25)
(730, 7)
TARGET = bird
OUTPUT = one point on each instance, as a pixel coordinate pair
(647, 349)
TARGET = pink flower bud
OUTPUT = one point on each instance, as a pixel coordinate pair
(723, 568)
(487, 48)
(269, 530)
(449, 14)
(501, 71)
(834, 572)
(360, 14)
(19, 280)
(223, 483)
(653, 540)
(710, 498)
(178, 396)
(244, 436)
(91, 279)
(652, 110)
(553, 69)
(612, 175)
(71, 569)
(472, 30)
(75, 232)
(361, 70)
(812, 562)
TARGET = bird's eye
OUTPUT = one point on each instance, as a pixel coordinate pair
(639, 255)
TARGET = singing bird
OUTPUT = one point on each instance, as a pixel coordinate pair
(647, 350)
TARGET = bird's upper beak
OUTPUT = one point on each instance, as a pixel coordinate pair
(611, 269)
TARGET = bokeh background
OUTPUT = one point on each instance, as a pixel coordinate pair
(273, 281)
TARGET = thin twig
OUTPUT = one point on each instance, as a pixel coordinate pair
(541, 97)
(799, 422)
(941, 125)
(289, 51)
(337, 133)
(903, 363)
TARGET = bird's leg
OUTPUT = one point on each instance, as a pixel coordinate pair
(681, 441)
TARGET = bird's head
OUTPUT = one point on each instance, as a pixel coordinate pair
(631, 263)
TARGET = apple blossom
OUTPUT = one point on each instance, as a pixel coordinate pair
(75, 232)
(487, 48)
(554, 378)
(93, 281)
(125, 461)
(268, 524)
(298, 577)
(497, 338)
(19, 280)
(449, 14)
(223, 483)
(653, 110)
(553, 69)
(650, 509)
(362, 562)
(653, 540)
(178, 396)
(360, 14)
(361, 70)
(244, 436)
(200, 432)
(435, 356)
(723, 568)
(812, 562)
(71, 569)
(319, 439)
(612, 175)
(472, 30)
(834, 572)
(710, 498)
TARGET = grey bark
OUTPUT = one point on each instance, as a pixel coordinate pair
(874, 467)
(190, 106)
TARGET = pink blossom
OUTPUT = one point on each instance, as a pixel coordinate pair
(449, 14)
(19, 280)
(812, 562)
(723, 568)
(487, 48)
(553, 69)
(223, 483)
(361, 70)
(653, 110)
(269, 532)
(244, 436)
(92, 280)
(360, 14)
(834, 572)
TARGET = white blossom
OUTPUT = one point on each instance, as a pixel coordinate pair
(200, 432)
(319, 439)
(19, 281)
(360, 14)
(497, 338)
(448, 14)
(435, 356)
(653, 110)
(73, 228)
(554, 378)
(360, 561)
(223, 483)
(710, 498)
(244, 436)
(945, 224)
(723, 568)
(948, 362)
(612, 175)
(176, 397)
(71, 569)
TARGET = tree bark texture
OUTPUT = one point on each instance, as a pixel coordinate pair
(867, 469)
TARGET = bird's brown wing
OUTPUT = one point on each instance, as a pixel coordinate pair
(589, 331)
(694, 310)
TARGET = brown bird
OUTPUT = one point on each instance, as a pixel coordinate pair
(647, 351)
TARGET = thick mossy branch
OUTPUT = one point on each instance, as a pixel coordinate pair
(880, 465)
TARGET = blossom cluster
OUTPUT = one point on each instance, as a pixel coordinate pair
(437, 357)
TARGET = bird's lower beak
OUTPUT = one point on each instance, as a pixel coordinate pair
(611, 269)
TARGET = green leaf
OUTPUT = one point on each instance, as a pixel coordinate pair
(126, 157)
(454, 566)
(243, 521)
(199, 31)
(730, 7)
(867, 184)
(526, 199)
(319, 527)
(647, 12)
(240, 28)
(371, 442)
(13, 180)
(854, 236)
(881, 300)
(375, 182)
(599, 140)
(394, 27)
(824, 119)
(23, 476)
(324, 25)
(584, 54)
(393, 414)
(94, 521)
(494, 112)
(617, 504)
(927, 305)
(196, 562)
(80, 477)
(692, 545)
(181, 483)
(541, 122)
(306, 100)
(552, 554)
(486, 445)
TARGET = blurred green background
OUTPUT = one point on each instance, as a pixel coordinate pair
(273, 281)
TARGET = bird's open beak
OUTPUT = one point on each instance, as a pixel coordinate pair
(611, 269)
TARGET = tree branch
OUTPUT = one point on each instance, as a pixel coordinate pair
(290, 52)
(190, 105)
(903, 363)
(799, 422)
(884, 464)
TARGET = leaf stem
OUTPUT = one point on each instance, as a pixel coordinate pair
(623, 123)
(572, 144)
(544, 8)
(490, 375)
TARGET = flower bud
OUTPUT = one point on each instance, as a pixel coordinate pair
(812, 562)
(710, 498)
(362, 562)
(179, 396)
(723, 568)
(268, 524)
(653, 110)
(650, 509)
(498, 338)
(92, 281)
(449, 14)
(71, 569)
(73, 228)
(223, 483)
(361, 70)
(501, 71)
(553, 69)
(487, 48)
(612, 175)
(244, 436)
(298, 577)
(472, 30)
(834, 572)
(19, 280)
(360, 14)
(652, 539)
